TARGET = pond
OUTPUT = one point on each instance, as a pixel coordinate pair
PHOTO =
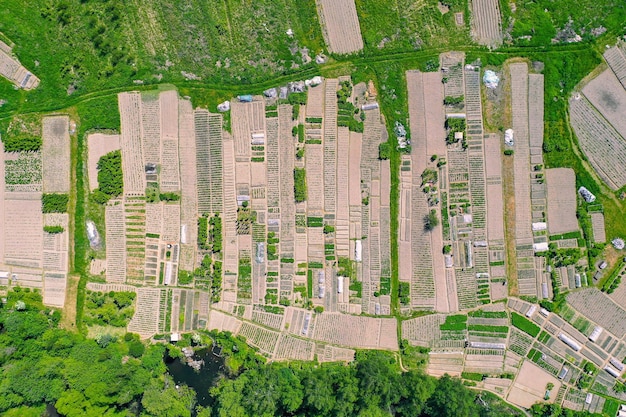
(200, 380)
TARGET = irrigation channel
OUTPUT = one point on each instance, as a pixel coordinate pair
(209, 368)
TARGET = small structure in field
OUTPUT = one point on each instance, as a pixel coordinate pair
(508, 137)
(491, 79)
(595, 334)
(569, 341)
(618, 243)
(223, 107)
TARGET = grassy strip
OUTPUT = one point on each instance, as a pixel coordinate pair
(488, 329)
(524, 324)
(488, 314)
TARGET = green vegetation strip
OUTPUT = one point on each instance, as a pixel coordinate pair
(524, 324)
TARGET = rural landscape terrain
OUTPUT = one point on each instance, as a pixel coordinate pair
(426, 194)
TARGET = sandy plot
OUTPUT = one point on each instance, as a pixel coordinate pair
(23, 231)
(423, 331)
(56, 154)
(147, 312)
(435, 117)
(486, 22)
(188, 201)
(151, 128)
(597, 223)
(607, 95)
(333, 353)
(315, 101)
(266, 340)
(340, 25)
(440, 363)
(315, 177)
(530, 384)
(154, 215)
(290, 347)
(356, 331)
(601, 143)
(171, 222)
(130, 142)
(115, 243)
(169, 115)
(223, 322)
(495, 206)
(54, 286)
(561, 200)
(519, 107)
(98, 145)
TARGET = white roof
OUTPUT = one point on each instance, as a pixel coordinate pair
(357, 250)
(539, 226)
(540, 247)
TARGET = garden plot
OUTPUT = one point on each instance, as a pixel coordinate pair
(561, 200)
(293, 348)
(486, 22)
(23, 229)
(452, 68)
(445, 362)
(22, 172)
(599, 308)
(334, 354)
(495, 204)
(340, 25)
(56, 154)
(530, 385)
(489, 362)
(115, 243)
(98, 145)
(616, 59)
(223, 322)
(12, 70)
(145, 321)
(131, 144)
(423, 331)
(266, 340)
(356, 331)
(602, 144)
(608, 96)
(56, 245)
(54, 286)
(597, 224)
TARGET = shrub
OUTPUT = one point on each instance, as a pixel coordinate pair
(110, 179)
(21, 144)
(54, 203)
(136, 349)
(53, 229)
(384, 151)
(299, 184)
(508, 152)
(328, 229)
(431, 220)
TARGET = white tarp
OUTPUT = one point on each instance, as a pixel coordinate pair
(508, 137)
(491, 79)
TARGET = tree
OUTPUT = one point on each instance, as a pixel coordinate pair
(54, 203)
(431, 220)
(451, 399)
(163, 398)
(384, 151)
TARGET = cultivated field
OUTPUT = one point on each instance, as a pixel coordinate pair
(598, 307)
(597, 224)
(608, 96)
(486, 22)
(561, 200)
(340, 25)
(56, 154)
(602, 144)
(529, 386)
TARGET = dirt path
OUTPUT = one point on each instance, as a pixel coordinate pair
(68, 316)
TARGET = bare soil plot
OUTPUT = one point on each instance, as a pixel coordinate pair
(602, 144)
(356, 331)
(293, 348)
(98, 145)
(530, 385)
(133, 167)
(440, 363)
(561, 200)
(423, 331)
(56, 154)
(145, 321)
(188, 201)
(334, 354)
(597, 223)
(54, 286)
(608, 96)
(115, 243)
(495, 202)
(223, 322)
(486, 22)
(23, 230)
(340, 25)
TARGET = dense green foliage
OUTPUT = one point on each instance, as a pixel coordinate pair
(299, 184)
(53, 229)
(54, 203)
(21, 143)
(110, 179)
(113, 308)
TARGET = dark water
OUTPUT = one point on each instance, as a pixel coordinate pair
(201, 381)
